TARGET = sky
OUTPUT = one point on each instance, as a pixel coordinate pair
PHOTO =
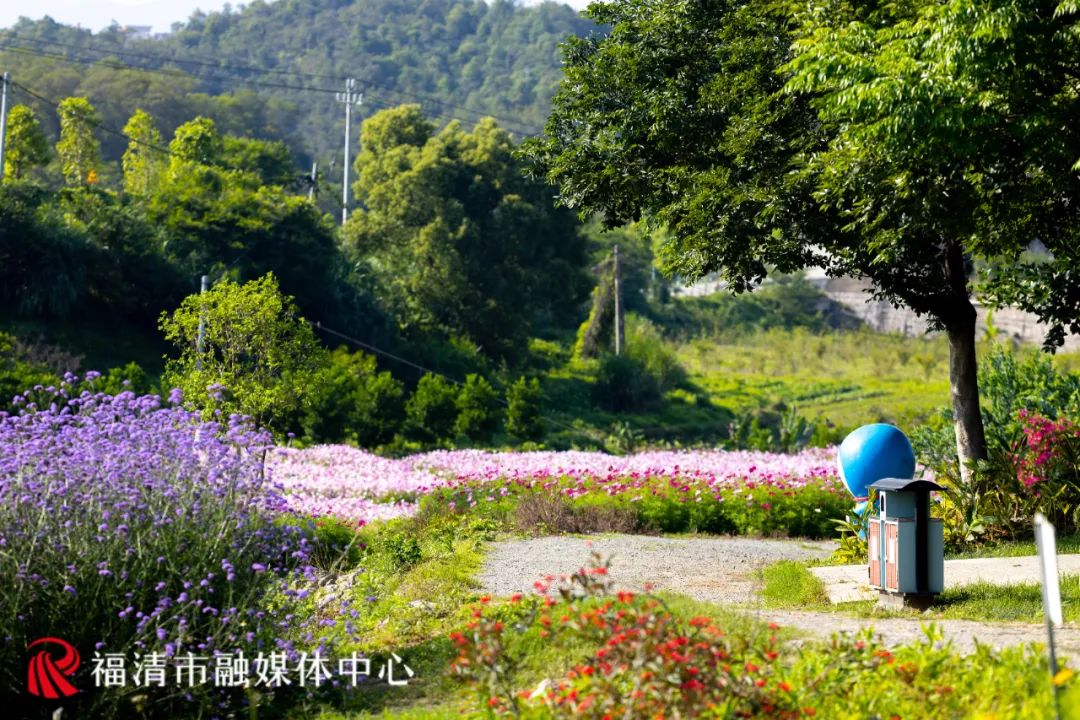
(98, 14)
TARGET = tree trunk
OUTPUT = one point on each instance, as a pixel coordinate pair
(964, 387)
(958, 317)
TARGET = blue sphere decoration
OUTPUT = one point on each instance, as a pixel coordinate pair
(872, 453)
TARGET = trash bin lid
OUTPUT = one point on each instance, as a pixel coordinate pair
(905, 484)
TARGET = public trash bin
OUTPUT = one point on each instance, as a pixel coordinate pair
(906, 546)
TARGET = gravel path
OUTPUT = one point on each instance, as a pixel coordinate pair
(723, 570)
(900, 631)
(708, 568)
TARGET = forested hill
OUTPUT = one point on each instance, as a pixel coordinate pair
(270, 69)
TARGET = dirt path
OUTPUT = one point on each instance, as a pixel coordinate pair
(899, 631)
(724, 570)
(713, 569)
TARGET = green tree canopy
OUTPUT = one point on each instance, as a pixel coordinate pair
(197, 141)
(145, 159)
(26, 146)
(897, 142)
(259, 357)
(78, 149)
(953, 138)
(226, 220)
(456, 238)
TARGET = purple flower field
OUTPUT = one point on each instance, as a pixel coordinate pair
(356, 486)
(131, 525)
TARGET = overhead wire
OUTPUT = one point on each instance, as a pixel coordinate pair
(179, 60)
(96, 123)
(82, 60)
(416, 366)
(523, 128)
(63, 58)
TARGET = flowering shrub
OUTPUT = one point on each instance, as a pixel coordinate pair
(634, 657)
(128, 525)
(710, 491)
(1048, 465)
(645, 661)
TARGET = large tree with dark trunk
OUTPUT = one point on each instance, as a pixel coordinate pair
(908, 143)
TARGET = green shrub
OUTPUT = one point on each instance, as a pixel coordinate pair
(785, 302)
(402, 549)
(1019, 397)
(478, 409)
(353, 401)
(624, 384)
(523, 411)
(645, 344)
(335, 544)
(17, 375)
(432, 410)
(259, 358)
(129, 378)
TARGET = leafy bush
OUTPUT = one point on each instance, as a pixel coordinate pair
(524, 409)
(478, 409)
(42, 260)
(432, 409)
(402, 548)
(259, 357)
(1048, 468)
(645, 344)
(129, 378)
(335, 543)
(160, 536)
(17, 375)
(624, 384)
(779, 430)
(786, 302)
(1029, 413)
(353, 401)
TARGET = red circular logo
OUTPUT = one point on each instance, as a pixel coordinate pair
(47, 676)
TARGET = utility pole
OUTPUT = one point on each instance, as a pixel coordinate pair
(200, 341)
(314, 176)
(4, 82)
(619, 338)
(350, 97)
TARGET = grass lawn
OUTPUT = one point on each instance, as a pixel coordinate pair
(848, 378)
(791, 585)
(1066, 545)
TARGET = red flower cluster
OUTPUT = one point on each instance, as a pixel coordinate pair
(646, 661)
(1046, 448)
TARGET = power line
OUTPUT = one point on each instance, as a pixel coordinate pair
(529, 130)
(81, 60)
(179, 73)
(96, 123)
(178, 60)
(378, 351)
(385, 353)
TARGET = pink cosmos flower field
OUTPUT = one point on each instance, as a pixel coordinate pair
(357, 486)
